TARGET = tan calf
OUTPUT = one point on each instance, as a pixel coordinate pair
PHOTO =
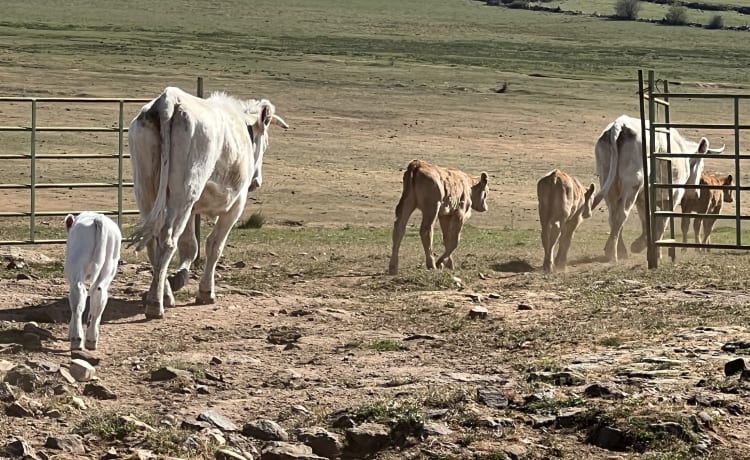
(563, 203)
(442, 194)
(709, 202)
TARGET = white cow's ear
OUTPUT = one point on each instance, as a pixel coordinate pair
(266, 113)
(69, 219)
(703, 145)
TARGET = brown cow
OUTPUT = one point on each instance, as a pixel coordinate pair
(563, 203)
(440, 193)
(708, 202)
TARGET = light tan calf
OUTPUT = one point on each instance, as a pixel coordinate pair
(563, 203)
(709, 202)
(440, 193)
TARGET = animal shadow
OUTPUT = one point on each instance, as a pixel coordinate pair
(58, 311)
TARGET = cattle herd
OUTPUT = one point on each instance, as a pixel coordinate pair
(202, 156)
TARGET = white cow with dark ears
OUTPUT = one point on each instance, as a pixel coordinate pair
(92, 253)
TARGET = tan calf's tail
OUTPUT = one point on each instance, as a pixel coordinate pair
(409, 175)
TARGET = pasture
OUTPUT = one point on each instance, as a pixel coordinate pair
(366, 87)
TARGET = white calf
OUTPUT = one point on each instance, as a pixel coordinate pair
(91, 256)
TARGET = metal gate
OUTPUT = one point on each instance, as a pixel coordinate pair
(36, 209)
(659, 164)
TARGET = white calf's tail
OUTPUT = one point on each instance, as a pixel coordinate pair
(614, 158)
(152, 224)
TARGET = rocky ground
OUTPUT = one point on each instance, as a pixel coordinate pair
(356, 366)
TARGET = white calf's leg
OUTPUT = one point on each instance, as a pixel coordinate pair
(77, 301)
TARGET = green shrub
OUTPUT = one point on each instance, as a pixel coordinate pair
(717, 22)
(677, 15)
(256, 220)
(627, 9)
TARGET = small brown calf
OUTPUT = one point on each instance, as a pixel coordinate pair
(709, 202)
(563, 203)
(442, 194)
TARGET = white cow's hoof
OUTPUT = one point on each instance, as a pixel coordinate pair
(91, 345)
(154, 310)
(76, 344)
(204, 298)
(178, 280)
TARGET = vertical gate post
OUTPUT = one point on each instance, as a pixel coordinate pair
(651, 254)
(670, 199)
(120, 136)
(738, 221)
(32, 224)
(199, 93)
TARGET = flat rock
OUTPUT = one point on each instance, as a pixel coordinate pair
(436, 429)
(279, 450)
(367, 438)
(16, 409)
(23, 377)
(98, 391)
(71, 443)
(569, 417)
(169, 373)
(228, 454)
(47, 366)
(492, 396)
(609, 438)
(21, 448)
(321, 441)
(5, 366)
(540, 421)
(10, 348)
(601, 390)
(218, 420)
(477, 312)
(81, 370)
(564, 378)
(86, 356)
(265, 430)
(65, 374)
(734, 366)
(283, 335)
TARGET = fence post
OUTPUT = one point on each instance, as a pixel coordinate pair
(651, 254)
(199, 93)
(738, 224)
(32, 225)
(119, 162)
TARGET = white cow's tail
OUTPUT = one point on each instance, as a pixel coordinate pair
(614, 159)
(152, 224)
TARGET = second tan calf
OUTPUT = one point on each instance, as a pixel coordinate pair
(442, 194)
(709, 202)
(563, 203)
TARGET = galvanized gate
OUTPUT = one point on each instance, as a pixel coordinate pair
(658, 165)
(11, 162)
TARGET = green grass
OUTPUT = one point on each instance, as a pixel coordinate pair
(386, 346)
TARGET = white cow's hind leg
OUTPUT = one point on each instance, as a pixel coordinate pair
(187, 250)
(214, 247)
(77, 301)
(152, 249)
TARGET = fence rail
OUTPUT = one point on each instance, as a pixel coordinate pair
(650, 94)
(33, 128)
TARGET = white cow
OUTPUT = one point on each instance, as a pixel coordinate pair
(193, 156)
(619, 165)
(91, 256)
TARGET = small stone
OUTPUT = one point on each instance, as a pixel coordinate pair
(98, 391)
(197, 425)
(32, 327)
(215, 360)
(86, 356)
(130, 419)
(477, 312)
(5, 366)
(524, 307)
(71, 443)
(474, 297)
(609, 438)
(494, 422)
(20, 448)
(110, 454)
(283, 335)
(265, 430)
(599, 390)
(202, 389)
(734, 366)
(515, 451)
(321, 441)
(492, 397)
(46, 366)
(23, 377)
(228, 454)
(31, 341)
(343, 421)
(65, 374)
(17, 410)
(78, 403)
(564, 378)
(53, 413)
(569, 417)
(539, 421)
(368, 438)
(279, 450)
(169, 373)
(436, 429)
(81, 370)
(218, 420)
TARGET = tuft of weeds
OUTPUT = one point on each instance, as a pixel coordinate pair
(107, 427)
(445, 397)
(386, 345)
(256, 220)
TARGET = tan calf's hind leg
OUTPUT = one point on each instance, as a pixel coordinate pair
(553, 235)
(566, 236)
(451, 227)
(429, 216)
(399, 228)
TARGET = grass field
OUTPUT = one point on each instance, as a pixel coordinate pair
(366, 87)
